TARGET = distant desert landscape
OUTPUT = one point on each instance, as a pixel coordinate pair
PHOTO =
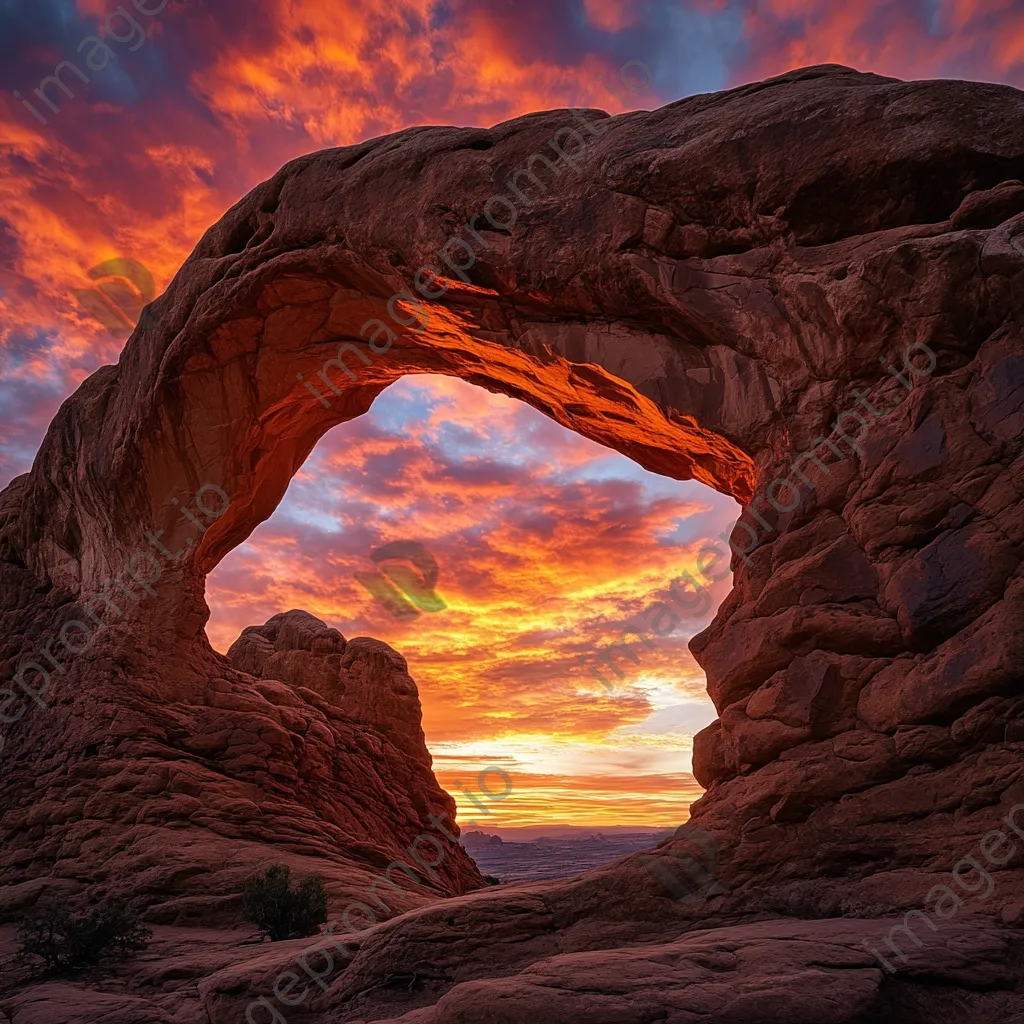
(553, 856)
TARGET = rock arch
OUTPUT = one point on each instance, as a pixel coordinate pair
(709, 288)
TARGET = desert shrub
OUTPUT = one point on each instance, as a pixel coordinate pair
(491, 880)
(66, 940)
(278, 910)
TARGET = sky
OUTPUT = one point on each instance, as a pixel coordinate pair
(544, 541)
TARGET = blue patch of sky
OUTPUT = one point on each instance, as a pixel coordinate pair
(22, 348)
(54, 30)
(29, 30)
(694, 51)
(26, 406)
(933, 17)
(688, 51)
(405, 404)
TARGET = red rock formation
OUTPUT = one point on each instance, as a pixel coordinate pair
(301, 747)
(703, 292)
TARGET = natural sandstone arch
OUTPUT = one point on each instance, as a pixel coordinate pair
(708, 320)
(703, 293)
(229, 417)
(218, 403)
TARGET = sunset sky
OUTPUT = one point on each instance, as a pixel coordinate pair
(544, 541)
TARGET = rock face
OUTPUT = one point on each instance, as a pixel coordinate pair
(365, 677)
(807, 292)
(301, 747)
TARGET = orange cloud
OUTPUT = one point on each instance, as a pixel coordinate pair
(610, 15)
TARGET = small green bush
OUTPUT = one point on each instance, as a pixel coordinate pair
(66, 940)
(278, 910)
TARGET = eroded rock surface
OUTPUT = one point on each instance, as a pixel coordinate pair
(713, 288)
(134, 793)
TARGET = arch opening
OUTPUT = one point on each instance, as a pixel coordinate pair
(567, 585)
(227, 410)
